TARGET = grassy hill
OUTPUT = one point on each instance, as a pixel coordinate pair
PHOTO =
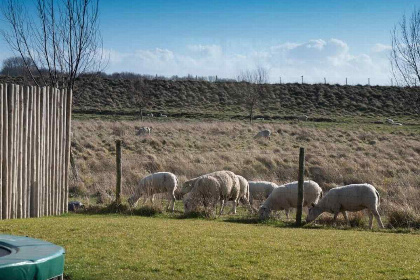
(224, 100)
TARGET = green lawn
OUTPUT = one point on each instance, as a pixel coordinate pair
(133, 247)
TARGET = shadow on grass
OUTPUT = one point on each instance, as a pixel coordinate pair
(197, 215)
(122, 209)
(253, 220)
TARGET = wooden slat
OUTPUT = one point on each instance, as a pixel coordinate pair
(69, 100)
(1, 150)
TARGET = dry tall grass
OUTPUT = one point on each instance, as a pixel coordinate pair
(386, 157)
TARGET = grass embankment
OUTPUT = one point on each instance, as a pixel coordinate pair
(225, 100)
(132, 247)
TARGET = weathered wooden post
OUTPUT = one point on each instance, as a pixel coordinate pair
(5, 168)
(1, 150)
(119, 169)
(69, 97)
(20, 157)
(300, 186)
(25, 145)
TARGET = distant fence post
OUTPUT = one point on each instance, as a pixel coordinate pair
(300, 186)
(119, 169)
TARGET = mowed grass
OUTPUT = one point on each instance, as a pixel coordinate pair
(133, 247)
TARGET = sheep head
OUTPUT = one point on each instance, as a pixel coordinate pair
(264, 212)
(314, 212)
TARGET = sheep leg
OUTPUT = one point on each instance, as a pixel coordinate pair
(222, 206)
(370, 220)
(248, 204)
(171, 202)
(152, 198)
(345, 217)
(378, 218)
(287, 213)
(235, 204)
(335, 218)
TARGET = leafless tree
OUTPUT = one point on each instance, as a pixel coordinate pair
(139, 99)
(405, 53)
(254, 79)
(62, 36)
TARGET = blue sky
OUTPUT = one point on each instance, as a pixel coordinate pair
(325, 38)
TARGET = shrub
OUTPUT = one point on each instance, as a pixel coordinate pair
(78, 189)
(403, 217)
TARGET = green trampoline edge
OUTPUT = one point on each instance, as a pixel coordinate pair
(30, 258)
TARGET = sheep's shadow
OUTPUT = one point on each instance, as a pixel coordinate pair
(256, 221)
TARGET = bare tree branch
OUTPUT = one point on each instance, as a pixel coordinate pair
(405, 53)
(61, 40)
(254, 80)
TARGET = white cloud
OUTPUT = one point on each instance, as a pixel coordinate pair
(381, 47)
(314, 59)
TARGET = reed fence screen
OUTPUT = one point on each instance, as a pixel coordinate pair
(35, 124)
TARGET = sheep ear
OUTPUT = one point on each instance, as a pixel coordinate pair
(313, 204)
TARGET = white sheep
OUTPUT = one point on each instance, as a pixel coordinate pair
(160, 182)
(351, 198)
(259, 119)
(229, 185)
(285, 197)
(144, 131)
(244, 191)
(390, 121)
(260, 190)
(263, 133)
(163, 116)
(303, 118)
(150, 115)
(207, 191)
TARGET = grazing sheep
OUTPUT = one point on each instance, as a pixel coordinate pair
(144, 131)
(229, 185)
(150, 115)
(207, 191)
(244, 191)
(391, 122)
(155, 183)
(263, 133)
(163, 116)
(285, 197)
(259, 119)
(351, 198)
(260, 190)
(303, 118)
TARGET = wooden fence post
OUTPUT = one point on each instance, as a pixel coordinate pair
(300, 186)
(1, 150)
(10, 96)
(119, 169)
(5, 169)
(25, 145)
(20, 156)
(69, 100)
(30, 151)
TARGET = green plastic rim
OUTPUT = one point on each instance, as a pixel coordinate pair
(25, 258)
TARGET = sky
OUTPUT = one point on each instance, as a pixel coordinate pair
(332, 39)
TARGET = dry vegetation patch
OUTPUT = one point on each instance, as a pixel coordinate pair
(337, 154)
